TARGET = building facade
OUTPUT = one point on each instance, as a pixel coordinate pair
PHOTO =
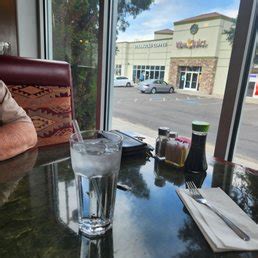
(150, 57)
(194, 56)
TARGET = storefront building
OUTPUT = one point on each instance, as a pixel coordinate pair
(150, 58)
(195, 56)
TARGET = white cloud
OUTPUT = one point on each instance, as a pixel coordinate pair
(231, 11)
(155, 22)
(163, 13)
(160, 16)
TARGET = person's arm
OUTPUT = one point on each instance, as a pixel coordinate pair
(17, 133)
(16, 138)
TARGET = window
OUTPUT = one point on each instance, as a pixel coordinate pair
(196, 66)
(246, 141)
(148, 72)
(118, 69)
(187, 63)
(73, 33)
(236, 113)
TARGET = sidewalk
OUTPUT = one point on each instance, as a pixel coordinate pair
(249, 100)
(150, 138)
(123, 125)
(149, 134)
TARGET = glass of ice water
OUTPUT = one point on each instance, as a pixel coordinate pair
(96, 163)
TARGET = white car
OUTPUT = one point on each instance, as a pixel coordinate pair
(122, 81)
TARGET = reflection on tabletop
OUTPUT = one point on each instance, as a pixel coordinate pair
(12, 170)
(240, 184)
(99, 247)
(39, 217)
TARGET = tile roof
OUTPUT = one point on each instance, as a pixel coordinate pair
(165, 31)
(206, 16)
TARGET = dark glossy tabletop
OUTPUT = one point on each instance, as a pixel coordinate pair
(38, 209)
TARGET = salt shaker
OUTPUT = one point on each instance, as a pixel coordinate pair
(161, 142)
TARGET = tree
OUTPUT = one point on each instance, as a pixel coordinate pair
(75, 40)
(130, 8)
(231, 32)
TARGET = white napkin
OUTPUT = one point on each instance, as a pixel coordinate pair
(220, 237)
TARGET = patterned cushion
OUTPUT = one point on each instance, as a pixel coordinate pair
(50, 109)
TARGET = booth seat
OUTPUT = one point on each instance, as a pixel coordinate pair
(44, 89)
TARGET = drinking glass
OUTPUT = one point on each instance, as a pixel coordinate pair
(96, 162)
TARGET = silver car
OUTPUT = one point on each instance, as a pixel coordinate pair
(155, 85)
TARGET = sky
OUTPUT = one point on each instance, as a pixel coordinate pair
(163, 13)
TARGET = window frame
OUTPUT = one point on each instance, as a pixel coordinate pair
(107, 63)
(106, 54)
(237, 80)
(242, 51)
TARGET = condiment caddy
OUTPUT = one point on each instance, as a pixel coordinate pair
(181, 152)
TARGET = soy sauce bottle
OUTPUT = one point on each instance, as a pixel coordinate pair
(196, 160)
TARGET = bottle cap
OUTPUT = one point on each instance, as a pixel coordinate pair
(200, 126)
(163, 131)
(173, 134)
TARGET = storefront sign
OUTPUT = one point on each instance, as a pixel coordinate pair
(255, 94)
(194, 29)
(190, 43)
(151, 45)
(254, 78)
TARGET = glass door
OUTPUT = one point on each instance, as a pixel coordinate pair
(191, 80)
(182, 80)
(194, 81)
(188, 80)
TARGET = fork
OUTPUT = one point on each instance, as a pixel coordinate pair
(196, 195)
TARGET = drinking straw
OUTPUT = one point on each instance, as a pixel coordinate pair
(95, 184)
(77, 130)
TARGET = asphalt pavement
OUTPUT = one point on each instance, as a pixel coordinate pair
(177, 111)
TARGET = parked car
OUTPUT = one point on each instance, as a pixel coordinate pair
(122, 81)
(154, 85)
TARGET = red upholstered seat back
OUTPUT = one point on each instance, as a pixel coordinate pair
(44, 89)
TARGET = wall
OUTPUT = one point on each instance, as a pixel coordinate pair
(224, 54)
(208, 30)
(206, 81)
(218, 48)
(162, 36)
(143, 53)
(27, 28)
(214, 58)
(8, 28)
(122, 57)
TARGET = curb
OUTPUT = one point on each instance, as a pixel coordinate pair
(249, 100)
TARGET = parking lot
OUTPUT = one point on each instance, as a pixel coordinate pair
(177, 111)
